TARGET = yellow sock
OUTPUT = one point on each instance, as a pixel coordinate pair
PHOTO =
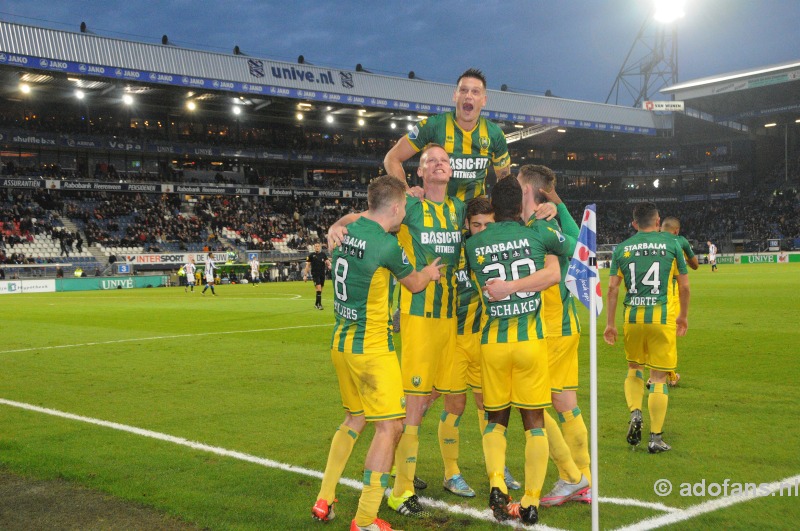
(535, 465)
(375, 484)
(483, 420)
(577, 438)
(634, 389)
(494, 453)
(560, 452)
(341, 446)
(405, 459)
(657, 404)
(449, 443)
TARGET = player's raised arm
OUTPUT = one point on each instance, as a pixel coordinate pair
(502, 173)
(538, 281)
(337, 231)
(394, 159)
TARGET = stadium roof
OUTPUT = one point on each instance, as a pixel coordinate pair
(769, 94)
(67, 59)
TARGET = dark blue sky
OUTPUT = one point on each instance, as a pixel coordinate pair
(574, 48)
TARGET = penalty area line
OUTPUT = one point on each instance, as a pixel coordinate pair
(156, 338)
(478, 514)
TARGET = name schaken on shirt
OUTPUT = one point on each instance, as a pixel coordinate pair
(444, 242)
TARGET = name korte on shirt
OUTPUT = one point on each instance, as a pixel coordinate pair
(647, 262)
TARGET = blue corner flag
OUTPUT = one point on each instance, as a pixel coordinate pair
(583, 266)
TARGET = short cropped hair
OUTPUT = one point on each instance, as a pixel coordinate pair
(670, 223)
(383, 191)
(478, 206)
(472, 72)
(507, 200)
(539, 177)
(645, 214)
(428, 147)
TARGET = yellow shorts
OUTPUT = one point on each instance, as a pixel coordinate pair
(427, 356)
(653, 345)
(562, 357)
(515, 374)
(370, 384)
(467, 364)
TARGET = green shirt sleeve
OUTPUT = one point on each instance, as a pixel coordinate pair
(568, 224)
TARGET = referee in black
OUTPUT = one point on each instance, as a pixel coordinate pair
(317, 264)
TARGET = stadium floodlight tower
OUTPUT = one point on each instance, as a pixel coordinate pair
(652, 62)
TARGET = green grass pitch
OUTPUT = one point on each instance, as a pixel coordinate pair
(248, 371)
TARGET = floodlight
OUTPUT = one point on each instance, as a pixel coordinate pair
(394, 125)
(299, 116)
(79, 94)
(667, 11)
(329, 119)
(127, 99)
(361, 121)
(191, 105)
(237, 110)
(25, 88)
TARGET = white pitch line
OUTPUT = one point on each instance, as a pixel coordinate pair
(269, 463)
(630, 502)
(764, 490)
(156, 338)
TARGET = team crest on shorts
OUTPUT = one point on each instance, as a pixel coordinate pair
(416, 381)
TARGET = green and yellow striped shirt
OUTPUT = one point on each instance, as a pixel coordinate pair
(432, 230)
(647, 262)
(362, 269)
(470, 151)
(509, 250)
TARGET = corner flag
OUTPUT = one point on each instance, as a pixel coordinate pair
(583, 266)
(583, 281)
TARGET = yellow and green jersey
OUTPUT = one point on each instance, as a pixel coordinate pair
(688, 254)
(647, 263)
(432, 230)
(509, 250)
(469, 309)
(470, 152)
(362, 270)
(558, 304)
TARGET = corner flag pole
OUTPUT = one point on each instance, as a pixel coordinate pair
(593, 394)
(583, 281)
